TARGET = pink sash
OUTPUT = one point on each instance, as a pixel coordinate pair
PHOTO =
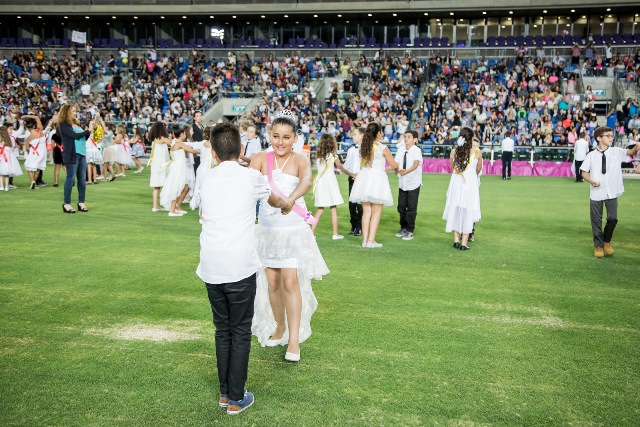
(306, 215)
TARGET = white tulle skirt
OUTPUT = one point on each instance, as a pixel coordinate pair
(287, 248)
(371, 185)
(122, 155)
(174, 183)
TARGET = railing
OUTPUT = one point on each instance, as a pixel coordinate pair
(493, 153)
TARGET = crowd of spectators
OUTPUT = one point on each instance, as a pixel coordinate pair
(530, 96)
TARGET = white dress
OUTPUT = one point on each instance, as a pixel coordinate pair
(372, 183)
(285, 241)
(93, 152)
(176, 179)
(157, 164)
(462, 209)
(123, 154)
(37, 154)
(206, 163)
(327, 191)
(9, 164)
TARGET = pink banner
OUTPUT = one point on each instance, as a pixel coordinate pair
(518, 168)
(552, 169)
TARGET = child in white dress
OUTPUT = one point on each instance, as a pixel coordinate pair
(175, 188)
(325, 186)
(157, 160)
(137, 148)
(371, 187)
(123, 150)
(206, 163)
(94, 157)
(108, 151)
(9, 165)
(36, 146)
(284, 300)
(462, 209)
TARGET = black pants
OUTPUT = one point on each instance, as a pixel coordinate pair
(578, 164)
(408, 208)
(355, 210)
(596, 208)
(232, 308)
(196, 165)
(507, 157)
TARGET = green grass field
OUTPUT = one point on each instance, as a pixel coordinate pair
(103, 321)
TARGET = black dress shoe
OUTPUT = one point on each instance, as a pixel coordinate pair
(456, 245)
(464, 248)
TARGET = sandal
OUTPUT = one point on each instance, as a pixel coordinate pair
(82, 209)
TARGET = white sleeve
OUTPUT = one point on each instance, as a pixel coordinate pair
(586, 164)
(263, 190)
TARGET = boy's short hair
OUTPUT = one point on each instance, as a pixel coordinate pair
(225, 140)
(413, 133)
(601, 131)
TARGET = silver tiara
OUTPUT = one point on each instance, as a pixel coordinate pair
(287, 114)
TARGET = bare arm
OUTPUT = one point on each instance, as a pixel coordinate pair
(389, 158)
(451, 157)
(633, 151)
(258, 162)
(186, 148)
(34, 117)
(479, 164)
(306, 180)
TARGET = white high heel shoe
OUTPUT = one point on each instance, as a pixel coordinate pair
(291, 357)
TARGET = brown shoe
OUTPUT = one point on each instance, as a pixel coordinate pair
(608, 249)
(598, 252)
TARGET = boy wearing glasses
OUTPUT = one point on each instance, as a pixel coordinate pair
(602, 168)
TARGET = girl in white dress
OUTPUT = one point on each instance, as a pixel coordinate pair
(325, 186)
(371, 187)
(190, 161)
(284, 298)
(175, 187)
(9, 165)
(157, 160)
(206, 163)
(137, 148)
(36, 146)
(462, 209)
(108, 151)
(123, 150)
(94, 157)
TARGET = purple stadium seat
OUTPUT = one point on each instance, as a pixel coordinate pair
(500, 41)
(548, 40)
(426, 41)
(511, 41)
(491, 41)
(557, 40)
(444, 41)
(435, 41)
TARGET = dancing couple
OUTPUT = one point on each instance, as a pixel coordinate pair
(276, 303)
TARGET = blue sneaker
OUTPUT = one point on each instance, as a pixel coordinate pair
(236, 406)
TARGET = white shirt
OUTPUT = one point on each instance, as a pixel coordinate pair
(252, 146)
(412, 180)
(353, 160)
(229, 193)
(507, 144)
(85, 89)
(610, 183)
(298, 145)
(580, 149)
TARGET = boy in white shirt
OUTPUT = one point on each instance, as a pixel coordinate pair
(352, 164)
(602, 168)
(409, 159)
(252, 145)
(229, 261)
